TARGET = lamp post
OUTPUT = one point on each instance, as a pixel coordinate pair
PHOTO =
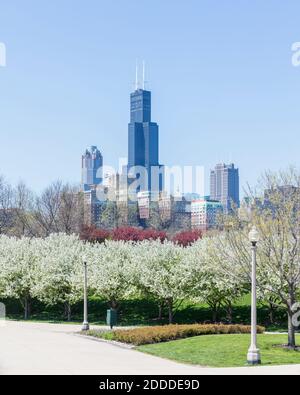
(85, 326)
(253, 357)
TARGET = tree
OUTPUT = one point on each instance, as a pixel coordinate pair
(137, 234)
(70, 213)
(187, 238)
(25, 224)
(158, 270)
(110, 271)
(209, 284)
(19, 265)
(94, 235)
(6, 208)
(110, 215)
(60, 274)
(275, 210)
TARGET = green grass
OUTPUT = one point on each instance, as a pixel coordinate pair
(143, 312)
(224, 350)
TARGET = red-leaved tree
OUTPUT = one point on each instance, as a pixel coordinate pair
(136, 234)
(187, 238)
(94, 235)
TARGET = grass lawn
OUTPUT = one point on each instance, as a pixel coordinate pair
(224, 350)
(143, 312)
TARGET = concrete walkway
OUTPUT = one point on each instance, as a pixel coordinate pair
(27, 348)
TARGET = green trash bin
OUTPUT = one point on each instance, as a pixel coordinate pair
(111, 318)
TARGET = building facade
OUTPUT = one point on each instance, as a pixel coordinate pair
(224, 186)
(143, 144)
(92, 207)
(204, 213)
(91, 168)
(175, 212)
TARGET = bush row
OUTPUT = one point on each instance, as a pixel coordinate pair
(159, 334)
(94, 235)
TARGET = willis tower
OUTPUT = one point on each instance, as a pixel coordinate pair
(143, 142)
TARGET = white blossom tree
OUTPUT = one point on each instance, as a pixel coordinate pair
(60, 275)
(19, 265)
(275, 210)
(210, 284)
(158, 269)
(110, 265)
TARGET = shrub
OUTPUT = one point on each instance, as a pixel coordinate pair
(152, 234)
(159, 334)
(187, 238)
(136, 234)
(94, 235)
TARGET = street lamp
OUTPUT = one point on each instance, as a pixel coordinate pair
(253, 357)
(85, 326)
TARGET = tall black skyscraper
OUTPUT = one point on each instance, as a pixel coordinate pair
(143, 140)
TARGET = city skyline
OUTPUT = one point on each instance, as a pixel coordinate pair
(226, 97)
(143, 161)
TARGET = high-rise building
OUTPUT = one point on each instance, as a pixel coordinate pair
(224, 186)
(92, 163)
(175, 212)
(143, 143)
(205, 213)
(92, 207)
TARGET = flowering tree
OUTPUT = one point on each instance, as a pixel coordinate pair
(210, 284)
(159, 271)
(18, 269)
(276, 213)
(59, 278)
(110, 269)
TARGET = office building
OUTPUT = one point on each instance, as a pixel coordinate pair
(204, 213)
(224, 186)
(143, 144)
(91, 167)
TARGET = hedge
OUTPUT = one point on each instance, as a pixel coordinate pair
(159, 334)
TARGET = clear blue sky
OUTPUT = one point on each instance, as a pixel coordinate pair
(220, 72)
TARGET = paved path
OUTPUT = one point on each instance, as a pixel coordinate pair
(27, 348)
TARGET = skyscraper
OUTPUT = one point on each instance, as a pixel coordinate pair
(143, 142)
(224, 186)
(92, 163)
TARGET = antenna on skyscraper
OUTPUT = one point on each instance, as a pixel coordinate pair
(144, 75)
(136, 76)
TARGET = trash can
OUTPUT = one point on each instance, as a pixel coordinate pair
(111, 318)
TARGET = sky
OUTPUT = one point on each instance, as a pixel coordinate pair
(222, 81)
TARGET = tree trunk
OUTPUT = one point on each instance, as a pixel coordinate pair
(229, 313)
(271, 313)
(114, 304)
(160, 311)
(170, 308)
(26, 308)
(292, 330)
(68, 311)
(215, 314)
